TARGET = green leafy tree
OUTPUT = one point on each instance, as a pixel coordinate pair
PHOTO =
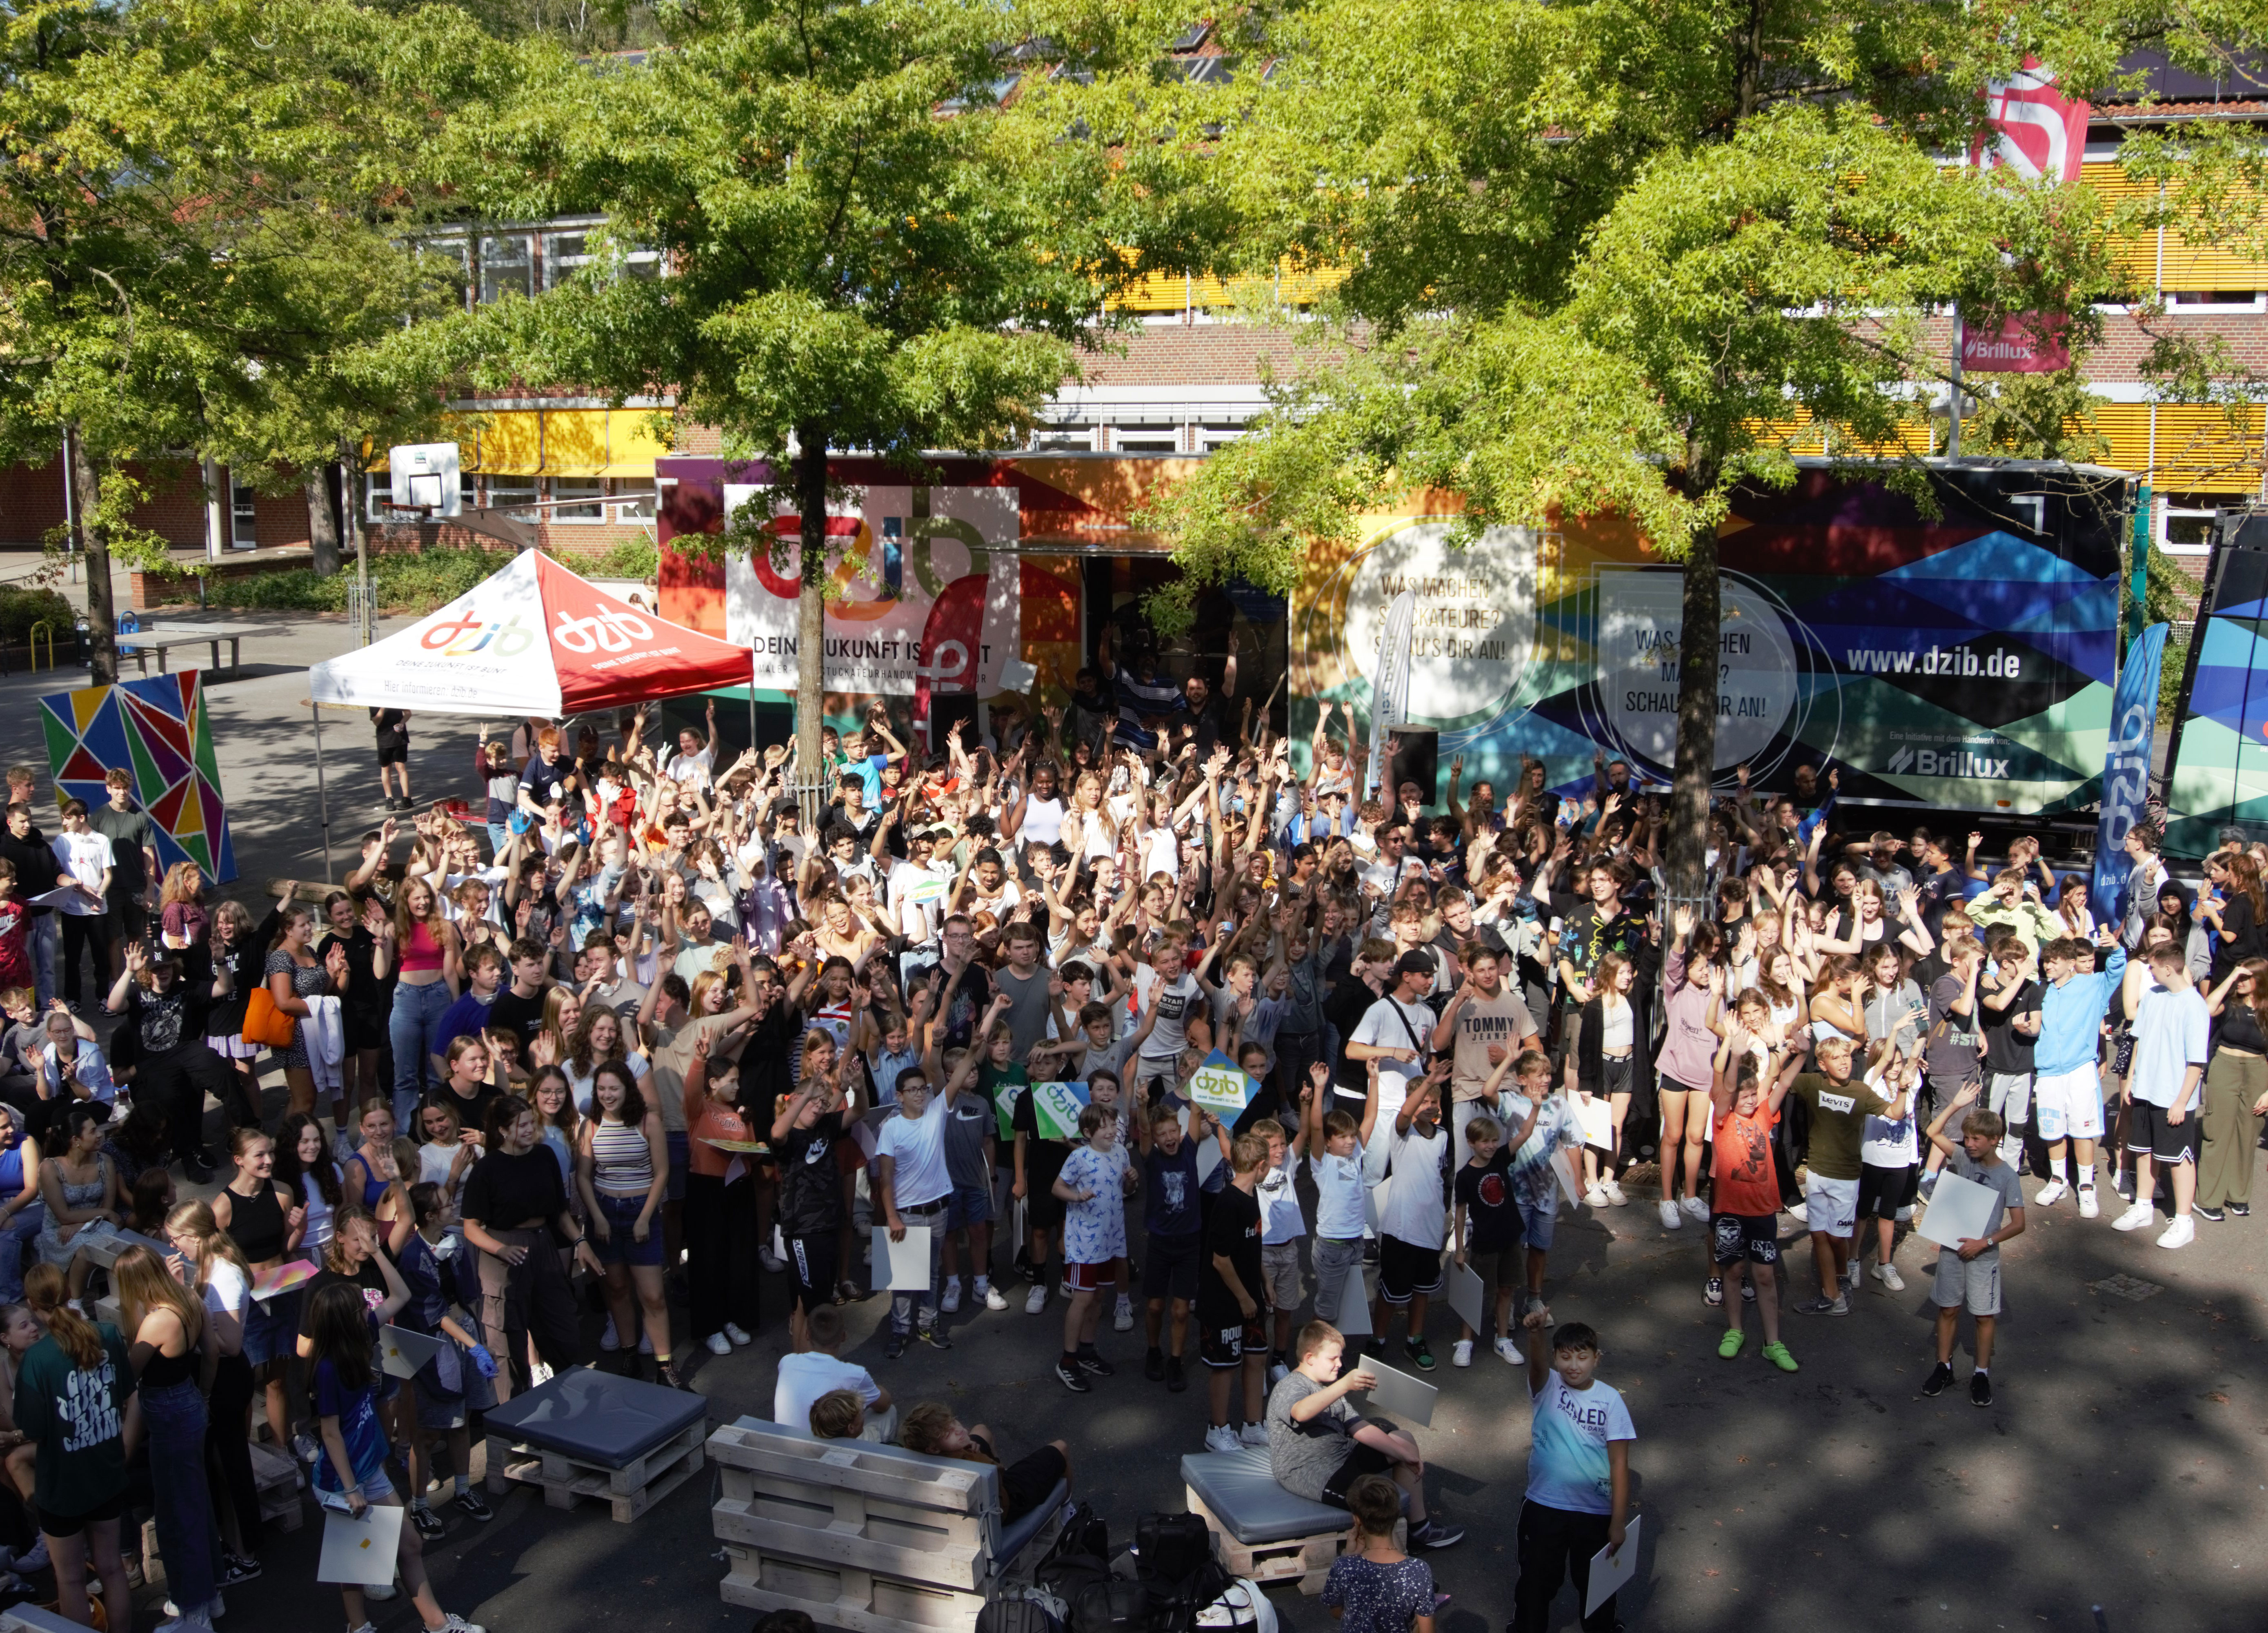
(194, 237)
(866, 248)
(1615, 256)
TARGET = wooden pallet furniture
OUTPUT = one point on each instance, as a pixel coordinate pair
(1261, 1530)
(591, 1435)
(275, 1475)
(873, 1539)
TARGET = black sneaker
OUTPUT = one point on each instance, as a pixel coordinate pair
(2241, 1209)
(198, 1174)
(1154, 1365)
(473, 1505)
(1094, 1366)
(429, 1523)
(1980, 1389)
(935, 1338)
(1072, 1378)
(2203, 1212)
(1939, 1379)
(236, 1569)
(1435, 1533)
(900, 1342)
(1417, 1350)
(1177, 1380)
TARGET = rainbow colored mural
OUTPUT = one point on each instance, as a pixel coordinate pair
(156, 728)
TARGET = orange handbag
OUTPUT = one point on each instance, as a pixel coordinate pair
(264, 1023)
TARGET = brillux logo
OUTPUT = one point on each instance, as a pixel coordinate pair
(1951, 763)
(468, 633)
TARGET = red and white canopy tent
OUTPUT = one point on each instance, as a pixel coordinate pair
(535, 639)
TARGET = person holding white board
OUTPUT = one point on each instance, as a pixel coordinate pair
(1970, 1272)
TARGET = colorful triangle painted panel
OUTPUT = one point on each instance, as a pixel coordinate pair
(156, 729)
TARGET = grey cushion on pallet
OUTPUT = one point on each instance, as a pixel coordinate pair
(598, 1417)
(1009, 1540)
(1243, 1495)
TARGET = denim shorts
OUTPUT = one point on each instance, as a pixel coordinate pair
(969, 1204)
(620, 1245)
(1537, 1223)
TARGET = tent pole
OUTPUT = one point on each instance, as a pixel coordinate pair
(322, 797)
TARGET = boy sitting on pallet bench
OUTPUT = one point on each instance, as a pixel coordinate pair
(1318, 1445)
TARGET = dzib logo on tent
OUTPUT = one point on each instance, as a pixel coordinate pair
(468, 633)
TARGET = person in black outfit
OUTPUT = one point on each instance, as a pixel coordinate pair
(167, 1002)
(392, 726)
(515, 1211)
(37, 871)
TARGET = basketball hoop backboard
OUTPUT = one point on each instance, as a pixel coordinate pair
(427, 478)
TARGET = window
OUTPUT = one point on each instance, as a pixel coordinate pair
(2185, 520)
(1072, 437)
(2214, 300)
(508, 266)
(633, 500)
(244, 517)
(563, 254)
(451, 259)
(1212, 436)
(578, 499)
(514, 496)
(1146, 436)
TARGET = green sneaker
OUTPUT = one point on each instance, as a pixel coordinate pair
(1777, 1354)
(1729, 1345)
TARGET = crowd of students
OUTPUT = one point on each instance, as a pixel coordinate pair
(1114, 998)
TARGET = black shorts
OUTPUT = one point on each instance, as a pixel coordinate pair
(1026, 1483)
(1405, 1269)
(1883, 1191)
(393, 748)
(56, 1525)
(811, 1261)
(1734, 1237)
(1224, 1346)
(1360, 1460)
(2149, 1134)
(1043, 1164)
(128, 919)
(1171, 1270)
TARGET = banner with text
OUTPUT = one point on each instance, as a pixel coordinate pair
(1963, 659)
(2126, 770)
(925, 587)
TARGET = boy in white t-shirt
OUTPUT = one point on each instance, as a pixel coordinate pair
(1334, 1142)
(1093, 1184)
(914, 1186)
(1413, 1214)
(1281, 1227)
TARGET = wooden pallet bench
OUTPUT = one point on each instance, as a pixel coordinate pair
(588, 1434)
(1259, 1529)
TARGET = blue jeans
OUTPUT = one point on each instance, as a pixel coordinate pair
(415, 1030)
(14, 1236)
(45, 933)
(175, 1418)
(499, 837)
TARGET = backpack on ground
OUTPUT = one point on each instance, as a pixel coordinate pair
(1174, 1562)
(1026, 1612)
(1077, 1571)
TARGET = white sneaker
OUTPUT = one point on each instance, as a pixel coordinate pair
(455, 1623)
(1887, 1275)
(1254, 1434)
(1463, 1355)
(718, 1344)
(1671, 1219)
(2135, 1218)
(1594, 1197)
(2048, 1195)
(951, 1302)
(1614, 1190)
(732, 1331)
(381, 1594)
(2088, 1208)
(1221, 1438)
(1037, 1300)
(994, 1299)
(610, 1341)
(537, 1375)
(2180, 1234)
(1696, 1208)
(773, 1263)
(1799, 1210)
(1510, 1352)
(1122, 1318)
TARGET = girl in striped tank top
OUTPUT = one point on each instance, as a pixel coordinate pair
(621, 1168)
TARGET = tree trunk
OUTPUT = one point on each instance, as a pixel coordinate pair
(322, 522)
(810, 601)
(94, 548)
(1697, 687)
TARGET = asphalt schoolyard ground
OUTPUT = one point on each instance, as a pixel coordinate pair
(2121, 1466)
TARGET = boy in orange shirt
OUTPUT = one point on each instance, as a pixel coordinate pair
(1744, 1099)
